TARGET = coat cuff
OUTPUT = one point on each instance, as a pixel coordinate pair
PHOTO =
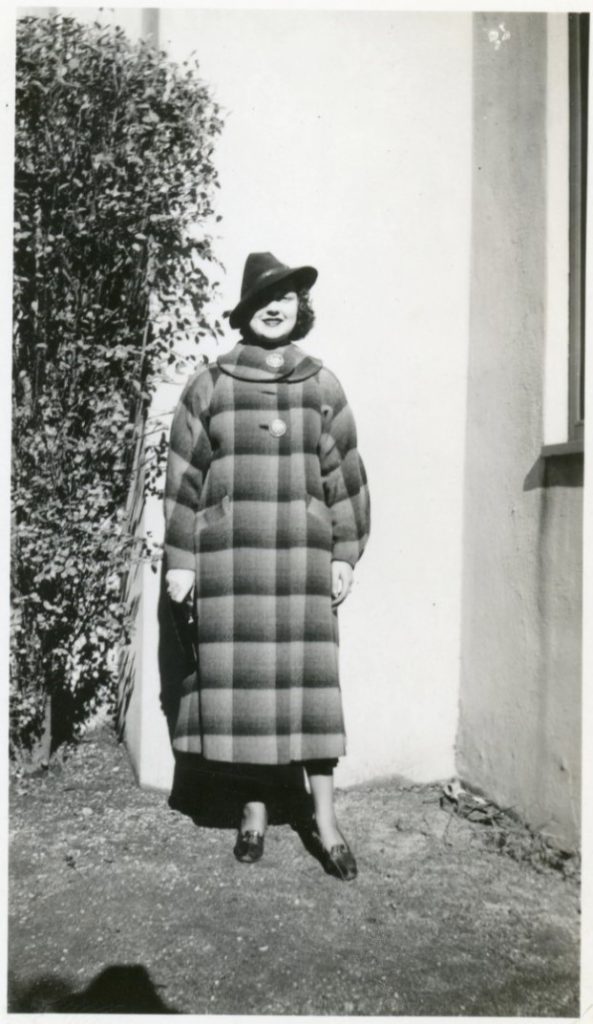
(346, 551)
(178, 558)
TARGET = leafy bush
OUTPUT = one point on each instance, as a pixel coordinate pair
(114, 191)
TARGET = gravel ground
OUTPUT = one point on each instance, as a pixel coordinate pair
(120, 904)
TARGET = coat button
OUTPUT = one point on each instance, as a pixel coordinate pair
(275, 360)
(278, 428)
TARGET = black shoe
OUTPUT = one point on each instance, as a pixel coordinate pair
(338, 861)
(249, 846)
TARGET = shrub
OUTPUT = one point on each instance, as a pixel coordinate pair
(114, 187)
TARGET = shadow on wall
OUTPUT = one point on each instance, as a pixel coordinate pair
(555, 471)
(213, 793)
(118, 988)
(177, 662)
(177, 654)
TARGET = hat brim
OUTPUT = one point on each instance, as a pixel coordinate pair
(303, 277)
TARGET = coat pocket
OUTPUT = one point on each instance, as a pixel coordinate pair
(318, 509)
(213, 514)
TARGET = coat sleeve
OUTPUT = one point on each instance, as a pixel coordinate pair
(343, 473)
(190, 454)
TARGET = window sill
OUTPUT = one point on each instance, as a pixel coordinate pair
(576, 447)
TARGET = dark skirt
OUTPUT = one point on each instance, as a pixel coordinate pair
(215, 792)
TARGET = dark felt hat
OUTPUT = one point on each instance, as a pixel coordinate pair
(262, 273)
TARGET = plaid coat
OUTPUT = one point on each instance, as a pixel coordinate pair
(264, 488)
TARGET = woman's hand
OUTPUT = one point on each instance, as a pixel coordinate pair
(342, 576)
(179, 583)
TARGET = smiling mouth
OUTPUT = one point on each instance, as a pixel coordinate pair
(272, 321)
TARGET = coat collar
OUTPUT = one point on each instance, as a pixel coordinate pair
(258, 364)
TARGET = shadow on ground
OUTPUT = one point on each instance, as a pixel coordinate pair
(117, 989)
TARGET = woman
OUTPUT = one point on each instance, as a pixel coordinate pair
(267, 513)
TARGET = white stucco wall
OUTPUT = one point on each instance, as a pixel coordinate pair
(519, 734)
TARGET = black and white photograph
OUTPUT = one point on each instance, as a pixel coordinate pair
(295, 505)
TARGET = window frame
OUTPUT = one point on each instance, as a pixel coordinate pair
(578, 65)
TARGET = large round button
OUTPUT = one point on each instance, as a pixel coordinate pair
(275, 360)
(278, 428)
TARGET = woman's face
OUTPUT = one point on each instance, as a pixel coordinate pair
(275, 321)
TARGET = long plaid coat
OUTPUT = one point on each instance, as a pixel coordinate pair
(264, 488)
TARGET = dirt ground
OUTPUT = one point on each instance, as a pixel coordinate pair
(120, 904)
